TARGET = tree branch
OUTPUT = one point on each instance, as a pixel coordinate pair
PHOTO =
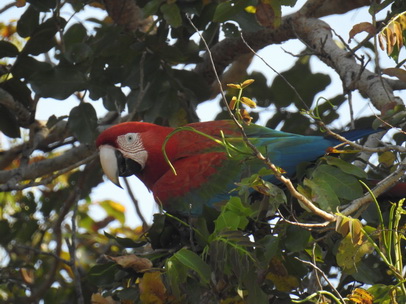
(227, 50)
(316, 34)
(73, 157)
(380, 188)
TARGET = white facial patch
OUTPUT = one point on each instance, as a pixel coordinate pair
(130, 145)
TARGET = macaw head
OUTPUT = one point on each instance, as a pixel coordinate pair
(128, 149)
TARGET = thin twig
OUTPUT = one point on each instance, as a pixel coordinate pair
(275, 71)
(49, 179)
(324, 276)
(8, 6)
(135, 202)
(72, 252)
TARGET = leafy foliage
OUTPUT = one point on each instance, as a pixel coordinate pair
(144, 61)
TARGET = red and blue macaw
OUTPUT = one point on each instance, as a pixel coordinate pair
(205, 172)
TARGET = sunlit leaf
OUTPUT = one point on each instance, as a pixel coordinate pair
(349, 254)
(360, 296)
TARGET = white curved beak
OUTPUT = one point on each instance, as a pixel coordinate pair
(109, 164)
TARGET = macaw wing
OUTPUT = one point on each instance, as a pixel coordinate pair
(201, 179)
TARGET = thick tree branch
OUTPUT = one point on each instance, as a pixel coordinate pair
(227, 50)
(317, 35)
(380, 188)
(11, 178)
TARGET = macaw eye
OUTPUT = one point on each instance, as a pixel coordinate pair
(130, 137)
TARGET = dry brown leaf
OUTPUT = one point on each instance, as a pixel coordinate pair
(132, 261)
(362, 27)
(265, 14)
(396, 72)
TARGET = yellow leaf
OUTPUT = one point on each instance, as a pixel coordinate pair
(251, 9)
(152, 290)
(116, 206)
(387, 158)
(234, 86)
(249, 102)
(350, 226)
(245, 116)
(233, 102)
(360, 296)
(247, 82)
(349, 254)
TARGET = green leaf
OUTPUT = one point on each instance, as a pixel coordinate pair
(83, 123)
(77, 33)
(28, 22)
(8, 123)
(194, 262)
(20, 92)
(346, 167)
(129, 294)
(103, 274)
(43, 38)
(345, 186)
(58, 83)
(228, 9)
(151, 7)
(124, 242)
(172, 14)
(7, 49)
(268, 247)
(177, 275)
(323, 194)
(233, 216)
(25, 66)
(306, 83)
(297, 238)
(43, 5)
(78, 53)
